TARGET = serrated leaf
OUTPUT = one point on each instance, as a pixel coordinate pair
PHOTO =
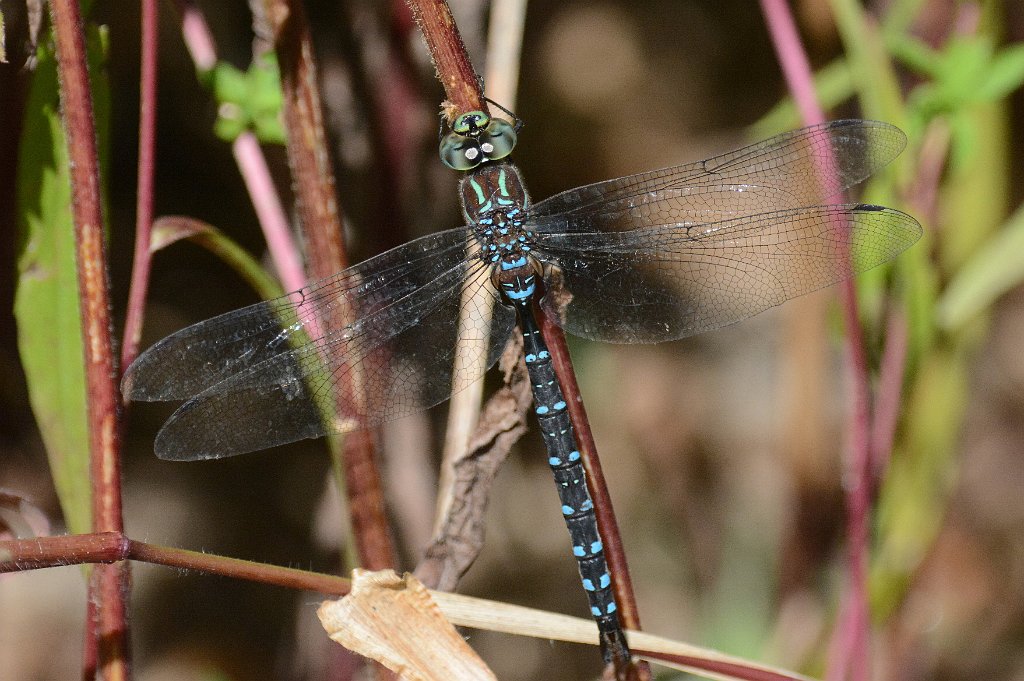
(46, 305)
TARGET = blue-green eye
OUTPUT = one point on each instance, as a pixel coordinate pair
(459, 152)
(498, 139)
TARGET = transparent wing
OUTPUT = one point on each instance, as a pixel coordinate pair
(195, 358)
(800, 168)
(669, 281)
(370, 344)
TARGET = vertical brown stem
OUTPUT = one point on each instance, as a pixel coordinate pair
(108, 587)
(320, 218)
(454, 70)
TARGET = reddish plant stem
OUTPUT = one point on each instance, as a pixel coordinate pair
(289, 578)
(111, 547)
(313, 176)
(281, 245)
(144, 194)
(797, 71)
(308, 154)
(889, 394)
(444, 42)
(108, 584)
(721, 668)
(90, 651)
(366, 502)
(75, 549)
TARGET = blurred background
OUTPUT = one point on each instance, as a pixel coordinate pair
(724, 453)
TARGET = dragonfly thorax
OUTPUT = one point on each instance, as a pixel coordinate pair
(495, 202)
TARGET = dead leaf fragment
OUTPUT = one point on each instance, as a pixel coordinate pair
(394, 620)
(20, 518)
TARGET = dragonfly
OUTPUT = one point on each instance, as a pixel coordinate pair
(645, 258)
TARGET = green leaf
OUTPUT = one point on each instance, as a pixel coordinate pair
(962, 65)
(228, 83)
(871, 67)
(46, 306)
(914, 53)
(249, 101)
(995, 269)
(1004, 75)
(171, 229)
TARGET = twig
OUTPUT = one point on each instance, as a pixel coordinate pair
(319, 217)
(607, 524)
(108, 584)
(144, 195)
(111, 547)
(454, 70)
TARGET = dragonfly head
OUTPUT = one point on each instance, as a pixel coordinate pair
(476, 138)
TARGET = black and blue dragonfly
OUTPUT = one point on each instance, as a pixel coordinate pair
(639, 259)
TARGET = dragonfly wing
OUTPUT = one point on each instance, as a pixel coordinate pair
(799, 168)
(399, 355)
(676, 280)
(195, 358)
(397, 361)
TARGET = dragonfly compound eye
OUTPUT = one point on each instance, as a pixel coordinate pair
(459, 152)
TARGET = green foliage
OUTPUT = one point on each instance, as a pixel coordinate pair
(248, 100)
(966, 73)
(169, 230)
(996, 268)
(946, 285)
(46, 304)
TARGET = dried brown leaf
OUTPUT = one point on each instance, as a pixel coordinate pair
(394, 621)
(461, 535)
(19, 518)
